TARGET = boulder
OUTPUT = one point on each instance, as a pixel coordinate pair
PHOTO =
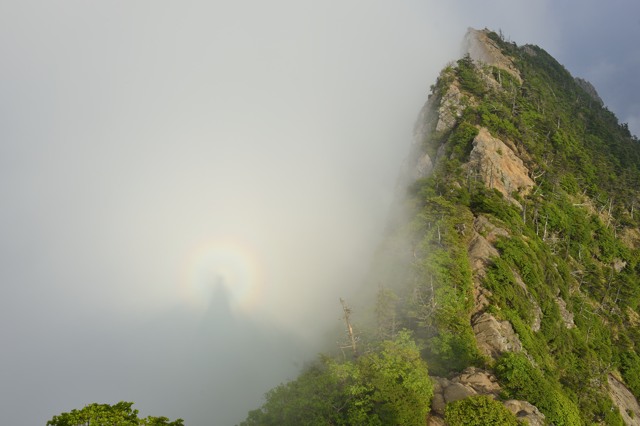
(472, 381)
(498, 166)
(495, 337)
(457, 391)
(481, 381)
(525, 411)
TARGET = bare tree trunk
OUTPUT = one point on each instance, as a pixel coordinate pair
(352, 337)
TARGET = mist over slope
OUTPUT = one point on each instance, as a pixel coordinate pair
(512, 277)
(148, 149)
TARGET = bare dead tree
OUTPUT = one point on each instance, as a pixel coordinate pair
(353, 340)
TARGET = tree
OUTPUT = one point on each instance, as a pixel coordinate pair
(389, 386)
(401, 387)
(385, 310)
(120, 414)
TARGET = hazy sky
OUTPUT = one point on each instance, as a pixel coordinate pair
(188, 187)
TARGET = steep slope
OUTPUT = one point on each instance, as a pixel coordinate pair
(532, 185)
(514, 264)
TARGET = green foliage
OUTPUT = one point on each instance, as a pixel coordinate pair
(468, 77)
(442, 299)
(386, 313)
(521, 380)
(121, 414)
(630, 369)
(491, 201)
(479, 410)
(508, 293)
(564, 247)
(388, 386)
(565, 238)
(460, 141)
(398, 377)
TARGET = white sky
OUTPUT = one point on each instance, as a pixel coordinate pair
(148, 148)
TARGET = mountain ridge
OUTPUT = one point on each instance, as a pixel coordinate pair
(515, 263)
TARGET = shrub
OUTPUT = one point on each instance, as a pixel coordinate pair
(479, 410)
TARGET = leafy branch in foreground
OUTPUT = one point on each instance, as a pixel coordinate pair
(120, 414)
(388, 386)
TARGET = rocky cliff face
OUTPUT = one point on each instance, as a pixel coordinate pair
(498, 166)
(588, 87)
(514, 266)
(484, 50)
(513, 300)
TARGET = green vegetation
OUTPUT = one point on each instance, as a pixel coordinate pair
(480, 410)
(388, 386)
(564, 235)
(120, 414)
(523, 381)
(566, 275)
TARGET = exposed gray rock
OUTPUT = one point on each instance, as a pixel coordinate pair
(480, 253)
(476, 381)
(529, 50)
(495, 337)
(491, 232)
(591, 91)
(423, 167)
(472, 381)
(450, 109)
(457, 391)
(481, 381)
(567, 317)
(481, 298)
(481, 250)
(482, 49)
(525, 411)
(425, 121)
(498, 166)
(438, 402)
(537, 317)
(435, 421)
(433, 115)
(624, 400)
(419, 164)
(619, 264)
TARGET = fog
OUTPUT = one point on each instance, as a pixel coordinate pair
(189, 187)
